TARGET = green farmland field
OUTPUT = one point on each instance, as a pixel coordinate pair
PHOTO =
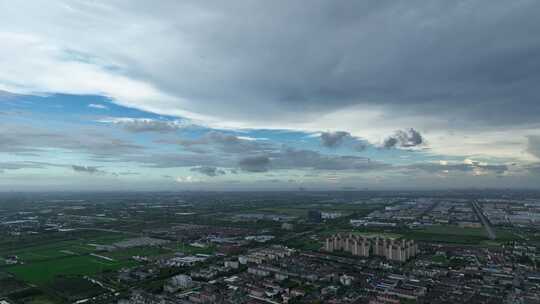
(46, 271)
(141, 251)
(448, 234)
(42, 262)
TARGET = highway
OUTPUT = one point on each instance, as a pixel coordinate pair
(489, 230)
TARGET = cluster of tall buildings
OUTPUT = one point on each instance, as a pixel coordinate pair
(393, 249)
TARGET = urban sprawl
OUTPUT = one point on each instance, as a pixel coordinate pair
(282, 247)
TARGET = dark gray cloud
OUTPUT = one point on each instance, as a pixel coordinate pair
(534, 169)
(254, 163)
(472, 167)
(291, 159)
(227, 143)
(231, 152)
(475, 61)
(306, 159)
(340, 138)
(43, 165)
(138, 125)
(333, 139)
(126, 173)
(28, 139)
(20, 165)
(411, 56)
(87, 169)
(533, 146)
(360, 146)
(404, 138)
(177, 160)
(7, 95)
(390, 142)
(209, 171)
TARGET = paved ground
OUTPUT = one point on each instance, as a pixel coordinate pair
(489, 229)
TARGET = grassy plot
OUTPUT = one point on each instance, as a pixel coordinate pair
(455, 230)
(284, 211)
(76, 288)
(448, 234)
(51, 251)
(46, 271)
(107, 239)
(41, 299)
(140, 251)
(441, 259)
(59, 249)
(188, 249)
(45, 262)
(305, 244)
(302, 210)
(9, 285)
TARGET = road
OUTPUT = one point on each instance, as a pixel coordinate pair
(489, 230)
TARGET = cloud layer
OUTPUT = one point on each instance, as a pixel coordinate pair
(403, 56)
(379, 88)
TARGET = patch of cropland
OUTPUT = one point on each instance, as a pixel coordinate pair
(448, 234)
(75, 288)
(45, 271)
(42, 263)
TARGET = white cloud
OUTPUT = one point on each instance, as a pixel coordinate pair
(34, 65)
(192, 60)
(252, 138)
(98, 106)
(187, 179)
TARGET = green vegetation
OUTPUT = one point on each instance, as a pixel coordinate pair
(454, 230)
(46, 271)
(458, 235)
(441, 259)
(63, 248)
(188, 249)
(140, 251)
(305, 244)
(448, 234)
(75, 288)
(41, 299)
(504, 235)
(44, 262)
(52, 251)
(301, 210)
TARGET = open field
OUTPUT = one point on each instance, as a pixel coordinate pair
(286, 211)
(188, 249)
(302, 210)
(68, 239)
(448, 234)
(43, 262)
(46, 271)
(123, 254)
(454, 230)
(305, 244)
(51, 251)
(75, 288)
(41, 299)
(60, 249)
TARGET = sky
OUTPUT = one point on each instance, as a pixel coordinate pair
(269, 95)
